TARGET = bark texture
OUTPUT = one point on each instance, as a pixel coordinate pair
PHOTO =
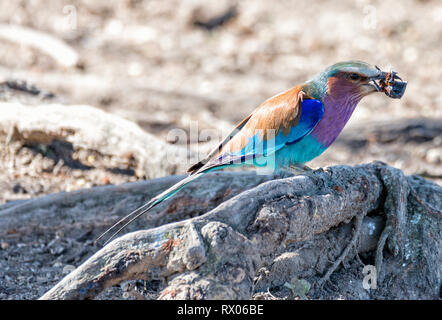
(292, 232)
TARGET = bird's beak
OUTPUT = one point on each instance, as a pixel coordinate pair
(389, 83)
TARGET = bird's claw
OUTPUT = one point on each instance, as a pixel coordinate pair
(304, 170)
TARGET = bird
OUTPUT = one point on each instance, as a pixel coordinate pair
(290, 128)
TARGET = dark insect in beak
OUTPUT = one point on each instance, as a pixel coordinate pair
(390, 83)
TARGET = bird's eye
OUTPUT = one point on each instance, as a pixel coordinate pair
(354, 76)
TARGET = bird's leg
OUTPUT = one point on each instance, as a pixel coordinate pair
(300, 169)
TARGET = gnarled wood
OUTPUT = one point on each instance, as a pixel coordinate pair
(293, 224)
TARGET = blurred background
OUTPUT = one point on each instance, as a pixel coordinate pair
(100, 92)
(168, 65)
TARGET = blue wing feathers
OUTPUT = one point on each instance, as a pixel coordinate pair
(312, 111)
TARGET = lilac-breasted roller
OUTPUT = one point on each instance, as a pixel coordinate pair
(292, 127)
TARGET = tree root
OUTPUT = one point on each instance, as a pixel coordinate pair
(395, 206)
(219, 254)
(380, 248)
(345, 253)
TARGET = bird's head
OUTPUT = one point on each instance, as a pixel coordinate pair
(354, 80)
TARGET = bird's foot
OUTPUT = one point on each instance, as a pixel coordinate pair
(305, 171)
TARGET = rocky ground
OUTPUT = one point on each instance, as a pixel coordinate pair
(200, 67)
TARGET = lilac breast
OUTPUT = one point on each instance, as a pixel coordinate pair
(336, 114)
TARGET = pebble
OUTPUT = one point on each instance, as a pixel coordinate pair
(434, 156)
(56, 251)
(4, 245)
(68, 269)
